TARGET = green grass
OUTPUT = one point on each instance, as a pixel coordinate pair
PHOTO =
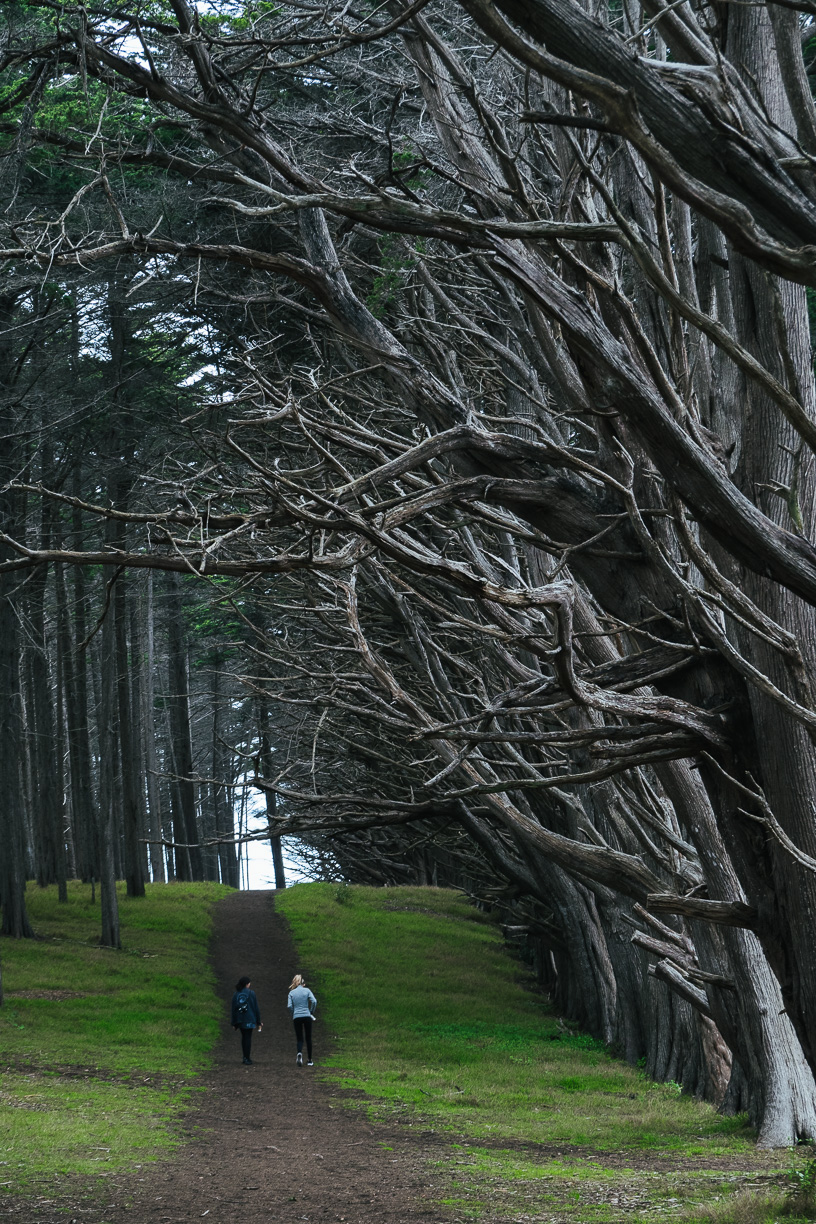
(85, 1128)
(100, 1047)
(423, 1011)
(430, 1011)
(763, 1206)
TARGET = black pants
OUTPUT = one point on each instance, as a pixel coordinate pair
(246, 1041)
(303, 1024)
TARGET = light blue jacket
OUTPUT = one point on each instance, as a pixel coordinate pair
(301, 1002)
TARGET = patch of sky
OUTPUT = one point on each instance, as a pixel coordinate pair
(255, 861)
(197, 375)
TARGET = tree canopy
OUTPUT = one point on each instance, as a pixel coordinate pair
(460, 354)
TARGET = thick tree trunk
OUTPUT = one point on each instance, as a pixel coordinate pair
(770, 320)
(751, 1016)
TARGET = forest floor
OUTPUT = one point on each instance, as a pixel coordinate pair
(277, 1142)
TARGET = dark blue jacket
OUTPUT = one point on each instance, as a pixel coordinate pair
(251, 1018)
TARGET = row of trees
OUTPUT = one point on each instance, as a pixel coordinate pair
(504, 437)
(125, 737)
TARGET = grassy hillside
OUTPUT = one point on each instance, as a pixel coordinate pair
(99, 1047)
(422, 1009)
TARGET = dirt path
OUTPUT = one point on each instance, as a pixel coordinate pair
(274, 1143)
(276, 1146)
(270, 1142)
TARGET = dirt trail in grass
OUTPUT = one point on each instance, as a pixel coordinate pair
(273, 1144)
(278, 1146)
(276, 1143)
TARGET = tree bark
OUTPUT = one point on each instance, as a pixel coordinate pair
(267, 771)
(132, 805)
(108, 830)
(146, 688)
(222, 808)
(179, 708)
(83, 798)
(47, 796)
(12, 861)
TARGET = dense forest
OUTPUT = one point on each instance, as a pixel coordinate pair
(408, 416)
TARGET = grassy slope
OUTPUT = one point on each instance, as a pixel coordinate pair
(433, 1019)
(130, 1028)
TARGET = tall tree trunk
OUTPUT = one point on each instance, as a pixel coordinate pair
(47, 796)
(207, 809)
(12, 859)
(69, 669)
(41, 739)
(267, 769)
(131, 795)
(224, 815)
(65, 815)
(26, 773)
(108, 831)
(179, 706)
(178, 858)
(143, 649)
(83, 798)
(120, 442)
(43, 735)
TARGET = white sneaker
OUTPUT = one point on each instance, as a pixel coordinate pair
(300, 1060)
(310, 1063)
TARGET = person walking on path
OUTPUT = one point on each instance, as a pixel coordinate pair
(302, 1004)
(246, 1015)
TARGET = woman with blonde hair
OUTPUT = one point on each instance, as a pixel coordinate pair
(302, 1004)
